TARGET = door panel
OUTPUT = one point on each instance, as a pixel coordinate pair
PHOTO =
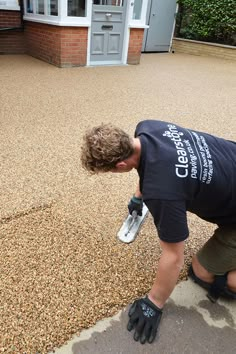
(113, 43)
(161, 22)
(98, 47)
(103, 14)
(107, 31)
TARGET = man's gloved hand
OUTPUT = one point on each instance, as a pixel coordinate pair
(145, 317)
(135, 204)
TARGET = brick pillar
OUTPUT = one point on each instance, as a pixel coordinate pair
(135, 45)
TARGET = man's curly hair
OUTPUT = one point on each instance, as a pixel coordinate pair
(103, 147)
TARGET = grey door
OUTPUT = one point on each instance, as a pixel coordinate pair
(107, 31)
(160, 18)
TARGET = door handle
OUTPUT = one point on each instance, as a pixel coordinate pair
(108, 15)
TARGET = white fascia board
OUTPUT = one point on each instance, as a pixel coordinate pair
(11, 8)
(57, 22)
(11, 5)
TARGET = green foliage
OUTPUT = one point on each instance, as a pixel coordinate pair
(209, 20)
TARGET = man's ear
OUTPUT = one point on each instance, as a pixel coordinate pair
(121, 164)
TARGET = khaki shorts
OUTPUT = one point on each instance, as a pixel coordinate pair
(218, 255)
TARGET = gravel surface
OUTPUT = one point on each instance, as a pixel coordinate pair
(61, 266)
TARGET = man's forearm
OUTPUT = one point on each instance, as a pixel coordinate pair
(167, 275)
(138, 194)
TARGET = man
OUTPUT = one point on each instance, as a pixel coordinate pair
(179, 170)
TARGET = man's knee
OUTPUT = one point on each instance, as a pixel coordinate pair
(201, 272)
(208, 277)
(231, 280)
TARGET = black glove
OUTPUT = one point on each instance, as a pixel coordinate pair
(145, 317)
(135, 204)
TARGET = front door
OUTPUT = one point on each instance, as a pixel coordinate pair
(107, 31)
(161, 19)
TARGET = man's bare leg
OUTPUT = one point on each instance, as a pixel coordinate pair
(231, 280)
(208, 277)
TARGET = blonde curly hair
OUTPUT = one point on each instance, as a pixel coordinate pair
(104, 146)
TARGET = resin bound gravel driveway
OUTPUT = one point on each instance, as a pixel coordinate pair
(61, 266)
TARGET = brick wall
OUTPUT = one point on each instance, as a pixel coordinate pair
(203, 49)
(74, 42)
(60, 46)
(10, 18)
(135, 45)
(11, 41)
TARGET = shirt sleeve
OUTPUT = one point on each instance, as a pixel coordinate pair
(170, 219)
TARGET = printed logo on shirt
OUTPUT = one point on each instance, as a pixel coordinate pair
(193, 155)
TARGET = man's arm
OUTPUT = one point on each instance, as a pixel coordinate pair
(145, 314)
(169, 267)
(171, 222)
(137, 193)
(136, 202)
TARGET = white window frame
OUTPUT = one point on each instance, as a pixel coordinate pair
(62, 19)
(9, 5)
(141, 23)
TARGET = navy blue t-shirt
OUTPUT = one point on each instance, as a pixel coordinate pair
(184, 170)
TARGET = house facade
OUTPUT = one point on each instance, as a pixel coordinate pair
(70, 33)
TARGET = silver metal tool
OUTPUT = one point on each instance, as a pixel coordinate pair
(130, 228)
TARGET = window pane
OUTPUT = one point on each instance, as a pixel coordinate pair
(137, 9)
(29, 5)
(53, 7)
(77, 8)
(40, 7)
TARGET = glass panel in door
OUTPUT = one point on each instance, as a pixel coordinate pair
(109, 2)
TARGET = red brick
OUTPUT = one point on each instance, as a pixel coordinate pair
(135, 45)
(11, 42)
(60, 46)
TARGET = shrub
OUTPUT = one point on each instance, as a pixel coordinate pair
(207, 20)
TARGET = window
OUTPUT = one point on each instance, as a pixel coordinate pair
(53, 7)
(29, 5)
(59, 12)
(40, 7)
(138, 13)
(76, 8)
(137, 9)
